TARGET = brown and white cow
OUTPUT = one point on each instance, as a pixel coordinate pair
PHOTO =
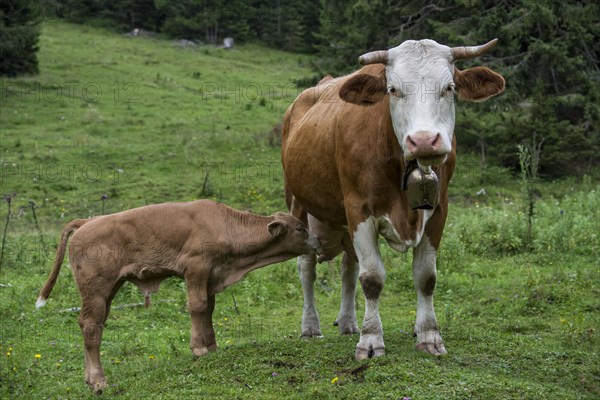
(208, 244)
(346, 145)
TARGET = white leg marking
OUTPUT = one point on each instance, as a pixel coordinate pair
(308, 274)
(346, 320)
(424, 276)
(372, 279)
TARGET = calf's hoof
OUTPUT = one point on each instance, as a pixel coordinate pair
(94, 377)
(200, 351)
(363, 354)
(98, 387)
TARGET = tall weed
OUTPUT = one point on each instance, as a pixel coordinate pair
(570, 224)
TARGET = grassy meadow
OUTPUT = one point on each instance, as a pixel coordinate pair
(115, 122)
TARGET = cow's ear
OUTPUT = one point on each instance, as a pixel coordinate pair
(364, 89)
(477, 84)
(277, 228)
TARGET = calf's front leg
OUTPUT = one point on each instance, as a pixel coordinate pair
(201, 306)
(203, 337)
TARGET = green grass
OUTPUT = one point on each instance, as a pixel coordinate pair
(520, 320)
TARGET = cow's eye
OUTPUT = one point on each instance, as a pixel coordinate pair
(449, 89)
(300, 228)
(392, 91)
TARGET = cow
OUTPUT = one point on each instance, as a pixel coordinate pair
(349, 146)
(208, 244)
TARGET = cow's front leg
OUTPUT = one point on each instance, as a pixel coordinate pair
(429, 339)
(346, 320)
(310, 317)
(372, 279)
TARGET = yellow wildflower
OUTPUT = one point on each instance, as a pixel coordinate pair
(38, 356)
(335, 380)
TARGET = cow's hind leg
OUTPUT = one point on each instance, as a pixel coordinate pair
(346, 320)
(310, 317)
(429, 339)
(91, 321)
(372, 278)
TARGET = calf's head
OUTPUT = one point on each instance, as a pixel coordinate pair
(421, 80)
(291, 236)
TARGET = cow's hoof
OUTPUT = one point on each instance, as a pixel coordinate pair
(435, 349)
(346, 326)
(363, 354)
(311, 335)
(311, 332)
(430, 342)
(200, 351)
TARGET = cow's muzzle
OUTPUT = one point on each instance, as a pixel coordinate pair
(428, 147)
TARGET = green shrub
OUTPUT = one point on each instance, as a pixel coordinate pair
(569, 225)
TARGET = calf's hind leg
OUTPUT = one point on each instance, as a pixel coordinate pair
(91, 321)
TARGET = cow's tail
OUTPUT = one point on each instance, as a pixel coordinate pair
(60, 255)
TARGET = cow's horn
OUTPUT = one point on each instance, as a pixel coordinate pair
(374, 57)
(472, 51)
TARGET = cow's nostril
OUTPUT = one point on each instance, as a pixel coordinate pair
(411, 142)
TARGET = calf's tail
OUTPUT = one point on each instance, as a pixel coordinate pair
(60, 255)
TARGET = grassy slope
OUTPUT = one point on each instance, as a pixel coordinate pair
(517, 324)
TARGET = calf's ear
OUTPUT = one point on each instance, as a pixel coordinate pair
(477, 84)
(364, 89)
(276, 228)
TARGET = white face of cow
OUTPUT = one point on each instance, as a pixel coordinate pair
(421, 80)
(421, 88)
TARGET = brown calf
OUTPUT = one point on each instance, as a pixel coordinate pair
(208, 244)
